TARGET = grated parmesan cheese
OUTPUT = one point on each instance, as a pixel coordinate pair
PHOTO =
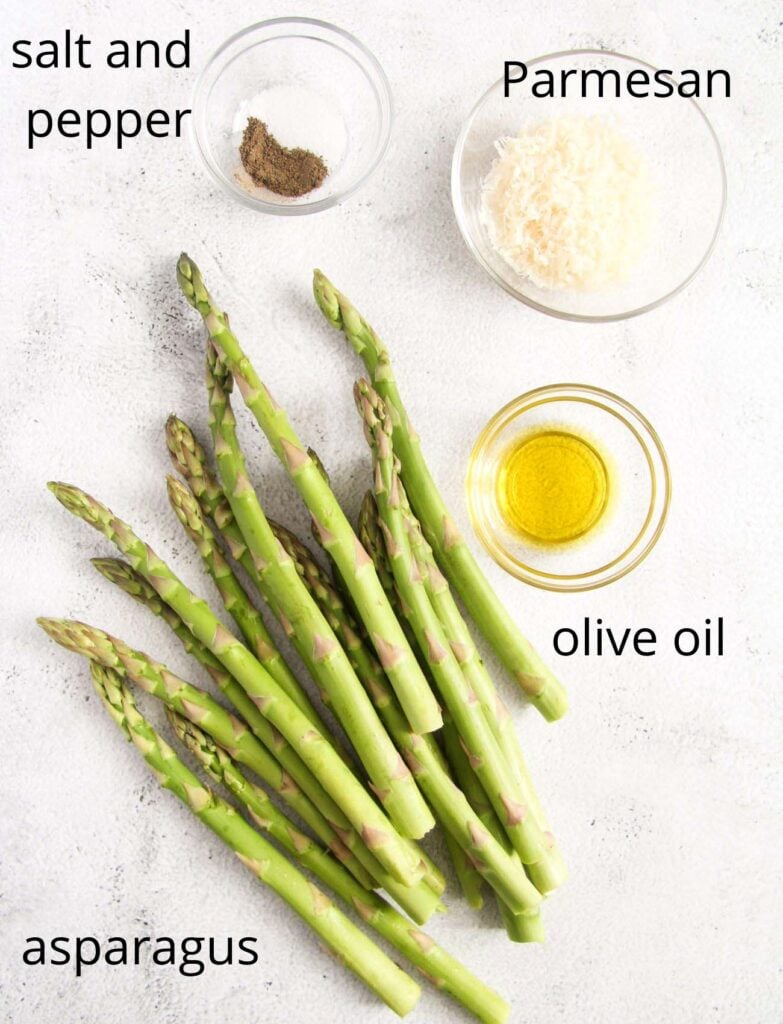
(567, 203)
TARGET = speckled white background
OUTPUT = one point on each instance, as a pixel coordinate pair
(665, 780)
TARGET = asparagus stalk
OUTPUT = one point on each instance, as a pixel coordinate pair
(469, 877)
(189, 459)
(504, 873)
(345, 629)
(527, 927)
(417, 900)
(491, 768)
(307, 627)
(234, 597)
(520, 927)
(549, 872)
(435, 963)
(355, 567)
(453, 554)
(188, 700)
(372, 538)
(277, 708)
(352, 947)
(238, 603)
(262, 763)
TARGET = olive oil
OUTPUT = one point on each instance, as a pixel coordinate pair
(552, 486)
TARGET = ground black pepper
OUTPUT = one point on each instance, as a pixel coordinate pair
(288, 172)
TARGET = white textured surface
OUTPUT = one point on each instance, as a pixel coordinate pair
(665, 780)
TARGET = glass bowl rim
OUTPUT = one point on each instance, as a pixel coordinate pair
(379, 83)
(644, 541)
(456, 200)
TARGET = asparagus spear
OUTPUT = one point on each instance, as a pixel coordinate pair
(417, 900)
(339, 538)
(307, 627)
(372, 538)
(263, 764)
(520, 927)
(421, 900)
(189, 700)
(352, 947)
(189, 458)
(527, 927)
(453, 554)
(504, 873)
(491, 768)
(436, 964)
(549, 872)
(234, 597)
(469, 877)
(238, 603)
(277, 708)
(345, 629)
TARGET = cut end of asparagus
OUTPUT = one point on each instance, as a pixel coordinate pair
(548, 874)
(552, 702)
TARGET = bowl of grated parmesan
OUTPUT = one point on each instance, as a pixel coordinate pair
(583, 199)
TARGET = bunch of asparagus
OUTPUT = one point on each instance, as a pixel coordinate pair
(382, 637)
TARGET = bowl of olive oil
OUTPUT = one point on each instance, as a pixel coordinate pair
(568, 487)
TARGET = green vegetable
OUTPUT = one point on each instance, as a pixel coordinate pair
(352, 947)
(504, 873)
(264, 765)
(417, 900)
(337, 535)
(435, 963)
(277, 708)
(452, 552)
(307, 627)
(189, 458)
(235, 599)
(469, 877)
(549, 872)
(362, 659)
(485, 755)
(528, 927)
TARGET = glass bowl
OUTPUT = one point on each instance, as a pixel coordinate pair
(639, 487)
(316, 86)
(683, 156)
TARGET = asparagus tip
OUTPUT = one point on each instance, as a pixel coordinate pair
(52, 627)
(189, 279)
(67, 494)
(325, 296)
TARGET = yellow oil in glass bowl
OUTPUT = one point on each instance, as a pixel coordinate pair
(552, 486)
(568, 487)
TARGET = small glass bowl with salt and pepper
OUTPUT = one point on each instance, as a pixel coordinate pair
(325, 106)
